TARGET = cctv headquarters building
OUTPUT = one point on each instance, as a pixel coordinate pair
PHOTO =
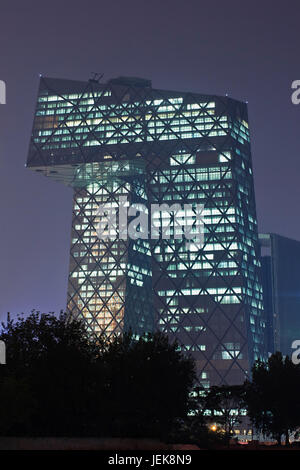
(124, 138)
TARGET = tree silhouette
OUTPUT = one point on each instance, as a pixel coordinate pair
(272, 397)
(149, 381)
(53, 362)
(224, 404)
(59, 382)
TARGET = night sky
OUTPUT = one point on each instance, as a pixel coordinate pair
(249, 50)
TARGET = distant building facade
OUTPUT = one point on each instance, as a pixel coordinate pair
(281, 287)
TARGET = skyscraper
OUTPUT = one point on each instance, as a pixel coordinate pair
(124, 139)
(281, 289)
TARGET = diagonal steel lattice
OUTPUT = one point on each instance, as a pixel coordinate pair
(155, 147)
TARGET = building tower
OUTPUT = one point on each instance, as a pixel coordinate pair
(281, 290)
(124, 139)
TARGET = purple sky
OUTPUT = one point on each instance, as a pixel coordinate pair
(249, 50)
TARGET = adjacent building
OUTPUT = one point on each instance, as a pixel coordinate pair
(281, 288)
(125, 139)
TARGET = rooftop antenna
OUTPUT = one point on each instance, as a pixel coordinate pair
(96, 77)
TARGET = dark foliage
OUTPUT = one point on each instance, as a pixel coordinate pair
(58, 382)
(221, 401)
(272, 396)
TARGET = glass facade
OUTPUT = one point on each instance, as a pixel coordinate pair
(281, 288)
(124, 138)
